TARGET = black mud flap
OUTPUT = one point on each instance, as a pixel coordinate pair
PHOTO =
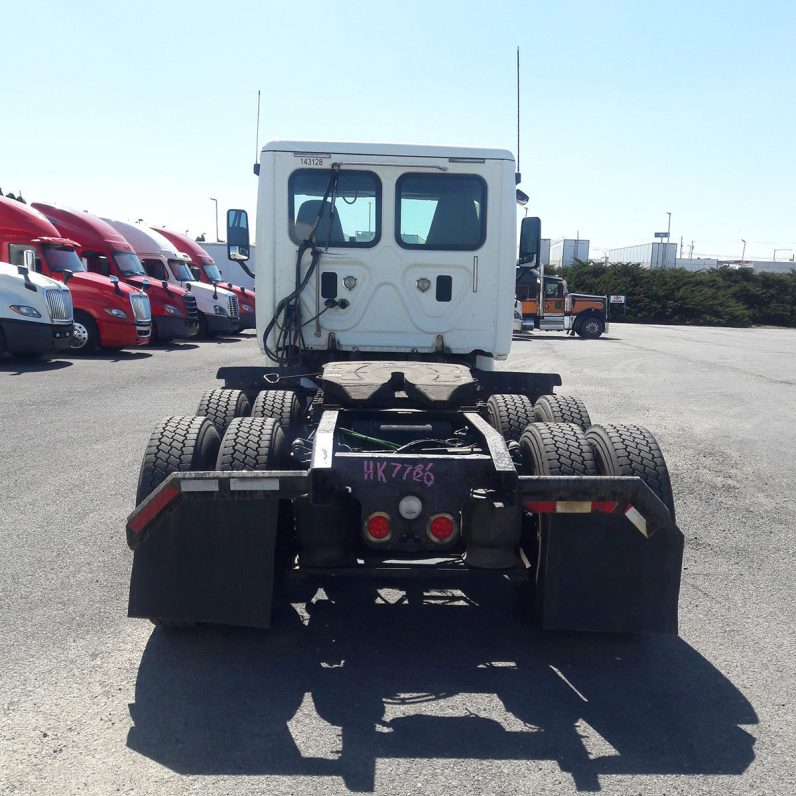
(205, 549)
(609, 556)
(601, 574)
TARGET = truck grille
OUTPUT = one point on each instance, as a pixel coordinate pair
(60, 304)
(191, 313)
(234, 309)
(141, 309)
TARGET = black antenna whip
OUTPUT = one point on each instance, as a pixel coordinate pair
(519, 171)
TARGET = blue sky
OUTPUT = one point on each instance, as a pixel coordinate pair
(630, 109)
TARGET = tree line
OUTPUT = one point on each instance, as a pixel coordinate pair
(716, 297)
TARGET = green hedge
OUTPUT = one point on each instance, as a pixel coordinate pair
(717, 297)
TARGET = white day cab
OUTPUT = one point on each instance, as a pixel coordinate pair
(378, 439)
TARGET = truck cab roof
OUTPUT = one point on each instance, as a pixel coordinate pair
(87, 229)
(308, 148)
(187, 246)
(146, 241)
(22, 219)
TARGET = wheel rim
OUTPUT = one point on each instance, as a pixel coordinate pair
(591, 327)
(79, 336)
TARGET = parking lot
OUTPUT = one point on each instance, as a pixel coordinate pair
(402, 692)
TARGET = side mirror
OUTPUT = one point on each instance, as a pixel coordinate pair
(530, 240)
(29, 259)
(238, 235)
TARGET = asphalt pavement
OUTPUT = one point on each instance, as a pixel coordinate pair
(393, 692)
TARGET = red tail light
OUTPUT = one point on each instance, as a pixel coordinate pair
(377, 527)
(441, 527)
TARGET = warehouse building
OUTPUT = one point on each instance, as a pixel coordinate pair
(566, 251)
(650, 255)
(544, 252)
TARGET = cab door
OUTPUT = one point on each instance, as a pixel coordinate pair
(553, 298)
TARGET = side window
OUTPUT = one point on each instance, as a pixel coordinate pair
(350, 216)
(16, 254)
(155, 269)
(553, 289)
(440, 211)
(96, 263)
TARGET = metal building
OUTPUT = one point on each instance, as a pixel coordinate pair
(650, 255)
(544, 252)
(565, 252)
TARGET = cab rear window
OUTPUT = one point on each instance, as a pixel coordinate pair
(350, 215)
(440, 211)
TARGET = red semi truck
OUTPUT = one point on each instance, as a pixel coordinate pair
(205, 270)
(107, 313)
(104, 251)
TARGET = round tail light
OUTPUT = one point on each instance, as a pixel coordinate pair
(377, 527)
(441, 528)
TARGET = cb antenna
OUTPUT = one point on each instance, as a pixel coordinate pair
(257, 138)
(518, 115)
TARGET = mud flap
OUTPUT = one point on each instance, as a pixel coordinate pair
(210, 561)
(599, 573)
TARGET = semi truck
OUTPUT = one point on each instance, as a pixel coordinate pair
(35, 312)
(378, 438)
(547, 303)
(104, 251)
(107, 313)
(218, 308)
(205, 270)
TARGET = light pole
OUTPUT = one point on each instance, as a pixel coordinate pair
(668, 236)
(743, 253)
(780, 250)
(216, 201)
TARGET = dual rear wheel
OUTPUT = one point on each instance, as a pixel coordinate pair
(556, 437)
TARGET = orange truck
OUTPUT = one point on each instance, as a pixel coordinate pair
(547, 303)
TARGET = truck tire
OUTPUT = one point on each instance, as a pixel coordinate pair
(222, 406)
(557, 449)
(632, 450)
(204, 328)
(591, 327)
(561, 409)
(282, 405)
(178, 444)
(252, 443)
(85, 338)
(509, 414)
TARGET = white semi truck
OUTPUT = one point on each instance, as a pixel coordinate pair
(219, 311)
(35, 312)
(377, 438)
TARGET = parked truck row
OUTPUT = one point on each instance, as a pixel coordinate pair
(105, 284)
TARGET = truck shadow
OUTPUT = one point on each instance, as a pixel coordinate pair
(20, 366)
(113, 355)
(519, 337)
(455, 677)
(172, 345)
